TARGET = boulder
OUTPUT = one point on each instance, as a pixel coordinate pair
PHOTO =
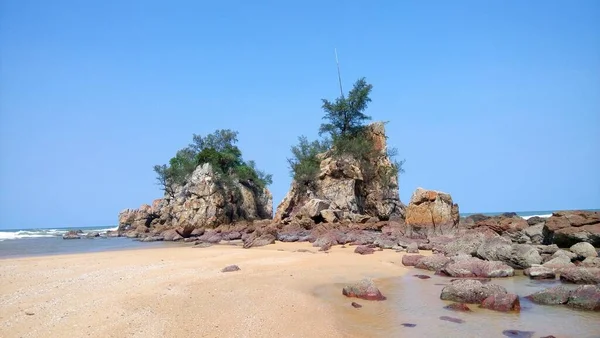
(566, 228)
(470, 291)
(584, 250)
(580, 275)
(364, 250)
(365, 289)
(539, 272)
(92, 234)
(591, 262)
(508, 223)
(475, 267)
(432, 263)
(468, 242)
(518, 256)
(312, 208)
(559, 262)
(171, 235)
(259, 240)
(431, 213)
(329, 216)
(552, 296)
(72, 234)
(502, 302)
(585, 297)
(412, 248)
(411, 260)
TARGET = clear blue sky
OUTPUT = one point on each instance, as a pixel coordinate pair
(496, 102)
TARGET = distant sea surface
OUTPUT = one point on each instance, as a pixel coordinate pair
(45, 241)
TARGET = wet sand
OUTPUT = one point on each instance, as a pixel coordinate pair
(181, 292)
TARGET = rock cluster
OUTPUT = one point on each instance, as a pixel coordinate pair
(344, 191)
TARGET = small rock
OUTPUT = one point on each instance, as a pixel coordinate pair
(539, 272)
(356, 305)
(364, 250)
(413, 248)
(365, 289)
(518, 334)
(230, 268)
(325, 247)
(459, 307)
(584, 250)
(552, 296)
(29, 313)
(411, 260)
(408, 325)
(422, 276)
(452, 319)
(432, 263)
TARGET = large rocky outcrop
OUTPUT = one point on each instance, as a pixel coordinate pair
(201, 203)
(431, 213)
(566, 228)
(346, 189)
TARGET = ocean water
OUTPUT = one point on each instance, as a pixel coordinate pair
(46, 241)
(524, 214)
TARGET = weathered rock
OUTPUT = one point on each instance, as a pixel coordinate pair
(539, 272)
(171, 235)
(591, 262)
(559, 262)
(432, 263)
(519, 256)
(535, 220)
(408, 325)
(431, 213)
(580, 275)
(584, 250)
(152, 239)
(412, 248)
(459, 307)
(468, 242)
(585, 297)
(411, 260)
(256, 241)
(232, 236)
(92, 234)
(502, 302)
(470, 291)
(201, 203)
(475, 267)
(329, 216)
(356, 305)
(552, 296)
(504, 224)
(564, 253)
(548, 249)
(364, 250)
(230, 268)
(535, 233)
(72, 234)
(312, 208)
(566, 228)
(365, 289)
(350, 187)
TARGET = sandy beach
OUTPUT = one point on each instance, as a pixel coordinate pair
(181, 292)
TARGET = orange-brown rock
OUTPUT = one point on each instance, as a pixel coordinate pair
(431, 213)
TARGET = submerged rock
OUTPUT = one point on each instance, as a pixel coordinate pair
(552, 296)
(502, 302)
(459, 307)
(365, 289)
(452, 319)
(585, 297)
(518, 334)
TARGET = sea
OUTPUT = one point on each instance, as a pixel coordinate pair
(49, 241)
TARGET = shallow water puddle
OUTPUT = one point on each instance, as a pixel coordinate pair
(414, 309)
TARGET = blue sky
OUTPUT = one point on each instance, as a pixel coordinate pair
(495, 102)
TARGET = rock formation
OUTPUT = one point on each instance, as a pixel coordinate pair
(431, 213)
(566, 228)
(342, 191)
(201, 203)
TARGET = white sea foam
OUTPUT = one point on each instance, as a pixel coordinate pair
(542, 216)
(36, 233)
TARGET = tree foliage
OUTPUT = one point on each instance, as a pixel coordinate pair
(219, 150)
(346, 133)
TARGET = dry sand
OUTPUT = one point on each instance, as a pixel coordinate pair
(181, 292)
